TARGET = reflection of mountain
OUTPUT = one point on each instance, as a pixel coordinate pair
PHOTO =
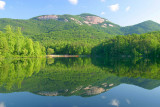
(68, 76)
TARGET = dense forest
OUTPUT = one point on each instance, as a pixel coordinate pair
(14, 44)
(146, 45)
(78, 40)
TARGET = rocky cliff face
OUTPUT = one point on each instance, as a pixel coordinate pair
(46, 17)
(79, 19)
(48, 93)
(87, 19)
(93, 20)
(94, 90)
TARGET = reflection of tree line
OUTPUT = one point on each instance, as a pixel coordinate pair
(60, 74)
(69, 76)
(75, 76)
(144, 68)
(15, 71)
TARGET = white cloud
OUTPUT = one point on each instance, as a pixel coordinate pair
(103, 13)
(103, 0)
(2, 104)
(103, 97)
(74, 2)
(2, 5)
(115, 102)
(114, 7)
(128, 101)
(128, 8)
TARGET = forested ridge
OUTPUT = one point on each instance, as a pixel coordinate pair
(71, 34)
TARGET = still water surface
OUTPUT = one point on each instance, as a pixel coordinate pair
(79, 82)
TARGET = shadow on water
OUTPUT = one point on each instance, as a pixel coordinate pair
(76, 76)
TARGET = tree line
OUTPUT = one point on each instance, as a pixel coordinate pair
(14, 44)
(143, 45)
(78, 41)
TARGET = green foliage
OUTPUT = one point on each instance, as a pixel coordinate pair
(50, 51)
(77, 40)
(13, 44)
(13, 72)
(86, 14)
(144, 27)
(146, 45)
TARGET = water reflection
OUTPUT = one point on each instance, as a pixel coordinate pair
(2, 104)
(14, 71)
(84, 77)
(115, 102)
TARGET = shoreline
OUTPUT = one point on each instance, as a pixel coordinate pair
(65, 56)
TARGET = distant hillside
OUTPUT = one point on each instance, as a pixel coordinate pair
(74, 34)
(49, 23)
(147, 26)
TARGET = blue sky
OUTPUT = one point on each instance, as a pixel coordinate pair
(122, 12)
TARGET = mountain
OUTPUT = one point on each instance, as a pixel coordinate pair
(46, 24)
(82, 19)
(147, 26)
(104, 24)
(74, 34)
(85, 19)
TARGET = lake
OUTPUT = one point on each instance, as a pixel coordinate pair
(79, 82)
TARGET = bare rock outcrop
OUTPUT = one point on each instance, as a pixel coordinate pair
(49, 93)
(77, 21)
(46, 17)
(93, 20)
(111, 25)
(104, 25)
(94, 90)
